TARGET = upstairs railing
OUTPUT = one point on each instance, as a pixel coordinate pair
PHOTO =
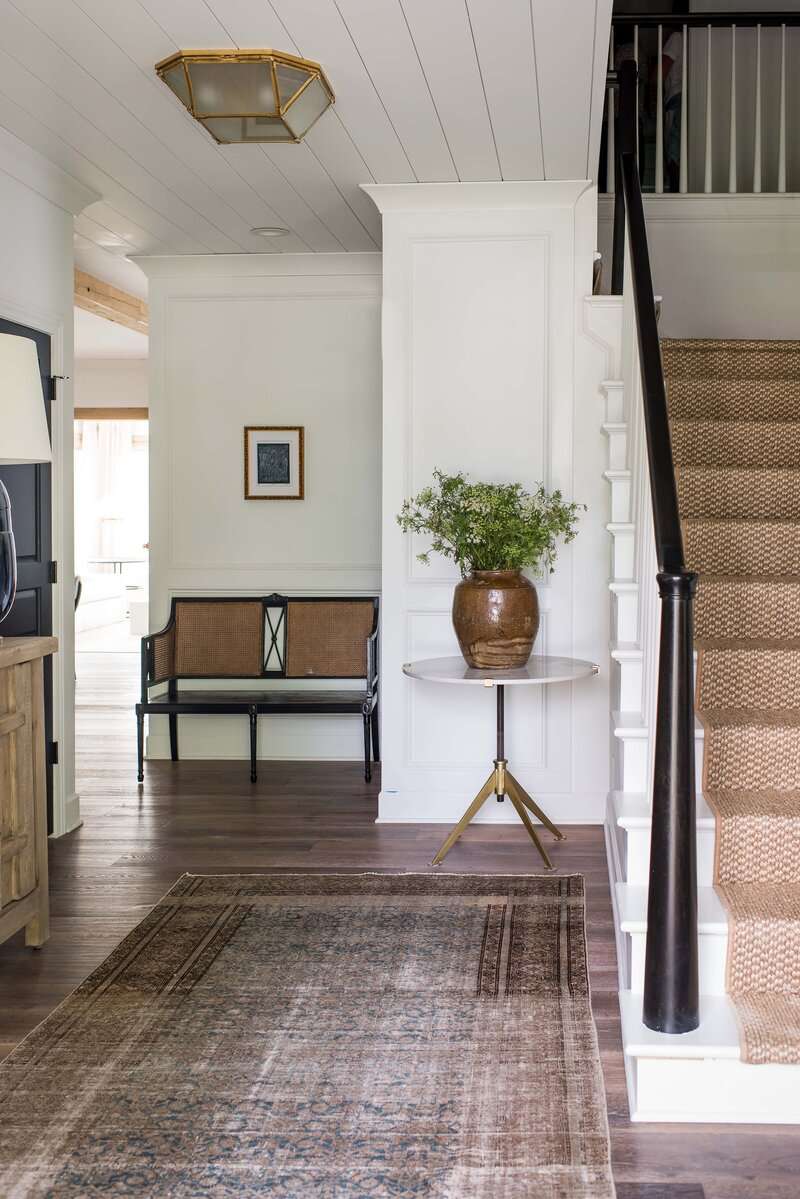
(714, 101)
(671, 995)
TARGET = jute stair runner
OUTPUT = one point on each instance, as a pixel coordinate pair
(735, 419)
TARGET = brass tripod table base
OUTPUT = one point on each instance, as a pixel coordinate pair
(501, 782)
(539, 671)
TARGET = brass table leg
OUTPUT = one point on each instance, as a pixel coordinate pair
(526, 820)
(473, 809)
(522, 795)
(501, 782)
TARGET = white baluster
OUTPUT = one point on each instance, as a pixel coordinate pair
(732, 142)
(660, 117)
(611, 153)
(782, 128)
(683, 185)
(757, 118)
(708, 178)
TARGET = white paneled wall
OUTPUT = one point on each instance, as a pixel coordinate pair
(263, 340)
(487, 368)
(36, 289)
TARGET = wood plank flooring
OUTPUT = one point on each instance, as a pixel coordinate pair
(205, 817)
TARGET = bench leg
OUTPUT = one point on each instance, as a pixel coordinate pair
(367, 755)
(376, 744)
(173, 737)
(253, 743)
(140, 746)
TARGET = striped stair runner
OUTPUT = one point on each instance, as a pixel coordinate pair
(735, 421)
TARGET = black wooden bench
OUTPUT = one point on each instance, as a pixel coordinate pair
(276, 637)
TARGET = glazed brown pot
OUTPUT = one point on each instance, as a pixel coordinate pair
(496, 618)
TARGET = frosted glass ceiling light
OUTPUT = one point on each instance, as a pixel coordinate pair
(248, 95)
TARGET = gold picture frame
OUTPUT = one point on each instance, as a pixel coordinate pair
(274, 462)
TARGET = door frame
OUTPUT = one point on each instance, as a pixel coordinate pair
(66, 804)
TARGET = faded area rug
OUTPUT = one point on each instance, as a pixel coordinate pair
(313, 1035)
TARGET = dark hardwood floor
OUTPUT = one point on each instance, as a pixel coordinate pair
(206, 817)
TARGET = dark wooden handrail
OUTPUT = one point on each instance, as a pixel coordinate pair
(671, 989)
(701, 20)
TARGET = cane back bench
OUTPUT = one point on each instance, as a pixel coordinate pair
(270, 638)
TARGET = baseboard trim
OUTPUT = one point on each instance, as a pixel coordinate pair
(71, 814)
(422, 807)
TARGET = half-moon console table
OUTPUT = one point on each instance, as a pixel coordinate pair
(539, 671)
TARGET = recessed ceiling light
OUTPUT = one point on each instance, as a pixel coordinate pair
(270, 231)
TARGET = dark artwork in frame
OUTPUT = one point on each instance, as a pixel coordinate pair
(273, 460)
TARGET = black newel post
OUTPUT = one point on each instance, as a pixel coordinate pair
(671, 989)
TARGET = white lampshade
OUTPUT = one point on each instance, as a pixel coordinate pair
(23, 424)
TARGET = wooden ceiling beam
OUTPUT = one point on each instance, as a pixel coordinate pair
(102, 299)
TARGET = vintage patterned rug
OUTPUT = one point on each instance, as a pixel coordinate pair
(322, 1035)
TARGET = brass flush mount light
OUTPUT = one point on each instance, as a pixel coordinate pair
(248, 95)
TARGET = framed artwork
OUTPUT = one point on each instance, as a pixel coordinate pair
(273, 462)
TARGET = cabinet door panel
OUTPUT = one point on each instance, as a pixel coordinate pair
(17, 818)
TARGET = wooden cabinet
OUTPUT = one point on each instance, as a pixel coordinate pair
(23, 789)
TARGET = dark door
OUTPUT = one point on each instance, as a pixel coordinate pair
(29, 488)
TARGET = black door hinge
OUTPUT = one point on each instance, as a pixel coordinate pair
(54, 753)
(53, 572)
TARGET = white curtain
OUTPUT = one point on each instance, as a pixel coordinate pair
(111, 491)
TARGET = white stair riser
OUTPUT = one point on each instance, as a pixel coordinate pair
(617, 446)
(712, 956)
(633, 761)
(632, 764)
(626, 613)
(614, 391)
(629, 680)
(622, 551)
(712, 1090)
(620, 495)
(636, 863)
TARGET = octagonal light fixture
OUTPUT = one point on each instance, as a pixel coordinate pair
(248, 95)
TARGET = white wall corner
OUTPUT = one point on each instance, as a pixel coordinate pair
(36, 290)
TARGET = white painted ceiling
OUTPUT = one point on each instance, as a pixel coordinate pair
(427, 91)
(95, 337)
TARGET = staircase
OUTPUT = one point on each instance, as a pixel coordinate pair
(737, 452)
(735, 424)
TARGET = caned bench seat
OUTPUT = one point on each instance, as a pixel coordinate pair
(315, 638)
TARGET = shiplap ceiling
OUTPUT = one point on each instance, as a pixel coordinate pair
(426, 91)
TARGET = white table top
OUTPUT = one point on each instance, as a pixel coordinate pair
(538, 670)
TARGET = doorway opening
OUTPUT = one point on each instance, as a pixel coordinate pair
(111, 485)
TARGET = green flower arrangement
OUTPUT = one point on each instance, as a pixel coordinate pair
(490, 526)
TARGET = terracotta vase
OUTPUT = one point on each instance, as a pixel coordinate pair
(496, 618)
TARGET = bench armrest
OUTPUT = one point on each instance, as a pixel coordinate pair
(158, 658)
(372, 661)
